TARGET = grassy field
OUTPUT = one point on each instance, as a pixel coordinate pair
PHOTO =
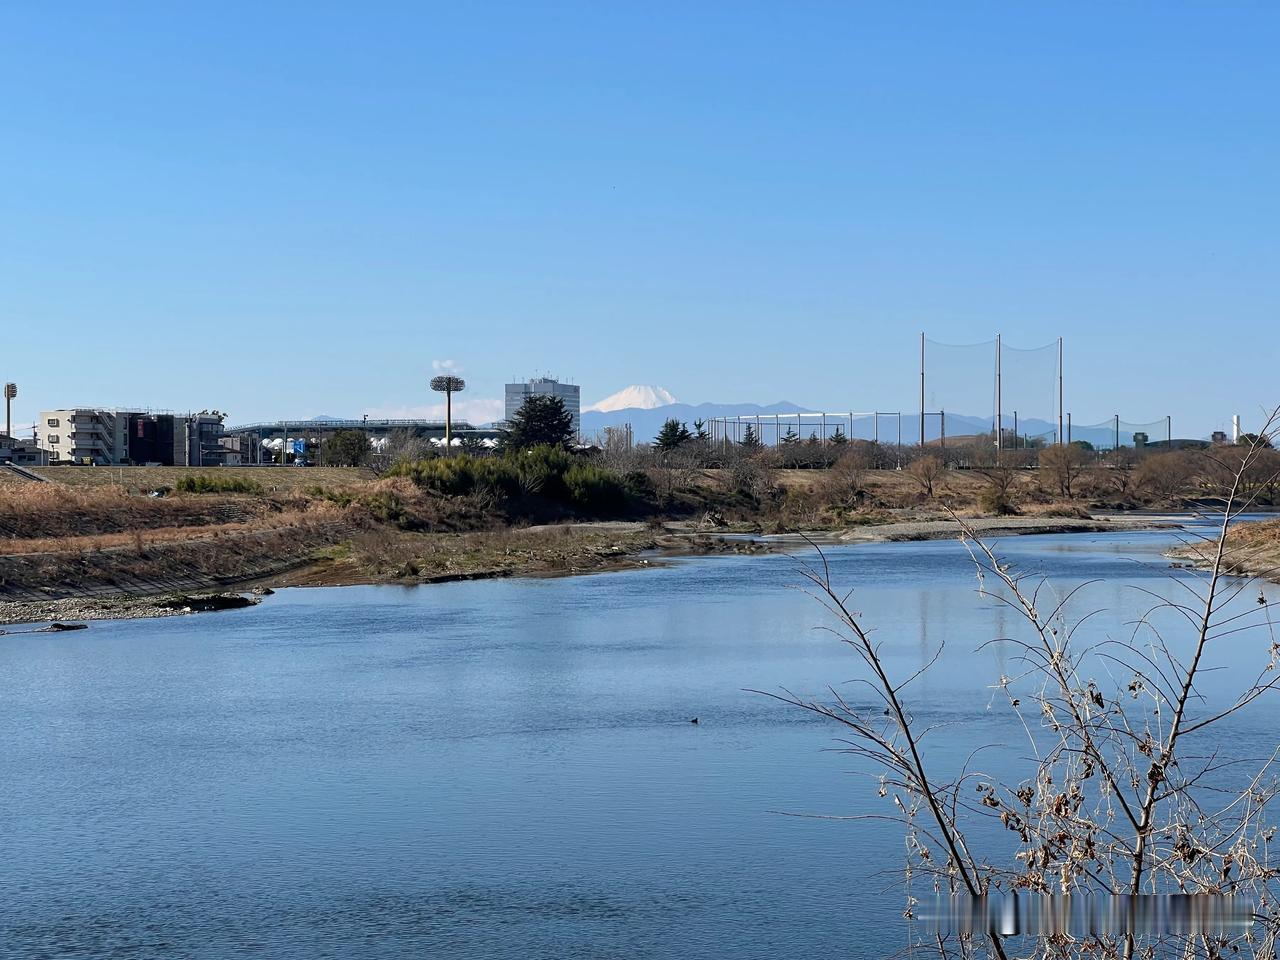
(145, 479)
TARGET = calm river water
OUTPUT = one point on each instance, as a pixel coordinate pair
(493, 769)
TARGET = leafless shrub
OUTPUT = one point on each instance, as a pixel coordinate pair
(1060, 466)
(754, 476)
(844, 484)
(1168, 477)
(401, 446)
(1135, 785)
(674, 470)
(997, 496)
(926, 470)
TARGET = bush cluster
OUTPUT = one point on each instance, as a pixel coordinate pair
(548, 473)
(211, 483)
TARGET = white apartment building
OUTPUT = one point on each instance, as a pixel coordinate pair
(82, 435)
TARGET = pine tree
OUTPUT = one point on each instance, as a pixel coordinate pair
(540, 420)
(673, 434)
(790, 437)
(700, 431)
(749, 438)
(838, 437)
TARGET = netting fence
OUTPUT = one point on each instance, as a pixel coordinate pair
(1114, 433)
(970, 394)
(975, 389)
(778, 429)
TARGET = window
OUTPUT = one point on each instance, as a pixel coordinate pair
(53, 422)
(53, 439)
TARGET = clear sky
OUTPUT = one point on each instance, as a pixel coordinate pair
(286, 209)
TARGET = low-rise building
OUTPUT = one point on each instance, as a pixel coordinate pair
(97, 436)
(22, 453)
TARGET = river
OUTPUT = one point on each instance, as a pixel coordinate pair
(496, 769)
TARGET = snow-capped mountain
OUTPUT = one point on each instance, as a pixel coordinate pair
(635, 397)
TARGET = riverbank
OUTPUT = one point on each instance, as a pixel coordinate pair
(379, 555)
(1253, 550)
(1000, 527)
(73, 610)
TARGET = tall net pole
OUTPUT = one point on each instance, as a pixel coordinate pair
(1061, 441)
(922, 389)
(999, 405)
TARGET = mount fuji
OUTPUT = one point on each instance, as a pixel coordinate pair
(635, 397)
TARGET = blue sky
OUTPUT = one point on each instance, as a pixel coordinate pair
(288, 209)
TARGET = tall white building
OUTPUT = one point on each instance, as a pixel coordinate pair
(570, 393)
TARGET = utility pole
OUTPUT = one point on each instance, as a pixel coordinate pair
(1060, 440)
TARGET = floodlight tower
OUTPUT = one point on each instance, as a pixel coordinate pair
(10, 391)
(448, 385)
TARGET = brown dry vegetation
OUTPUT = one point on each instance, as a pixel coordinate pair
(146, 479)
(393, 527)
(1253, 549)
(47, 510)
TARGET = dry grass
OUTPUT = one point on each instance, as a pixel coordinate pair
(46, 510)
(144, 479)
(142, 538)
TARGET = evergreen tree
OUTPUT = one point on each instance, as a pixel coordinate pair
(790, 437)
(540, 420)
(673, 434)
(749, 438)
(700, 431)
(345, 448)
(838, 437)
(813, 439)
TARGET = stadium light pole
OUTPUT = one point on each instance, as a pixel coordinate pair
(10, 391)
(448, 385)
